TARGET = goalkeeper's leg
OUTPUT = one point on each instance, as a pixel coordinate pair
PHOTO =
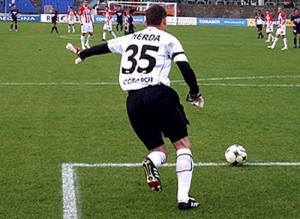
(184, 169)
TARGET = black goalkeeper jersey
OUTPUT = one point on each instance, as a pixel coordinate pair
(119, 16)
(14, 13)
(296, 20)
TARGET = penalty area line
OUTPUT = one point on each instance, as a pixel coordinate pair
(173, 81)
(69, 192)
(208, 164)
(70, 208)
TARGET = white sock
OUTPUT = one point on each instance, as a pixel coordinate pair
(82, 41)
(104, 35)
(184, 169)
(273, 38)
(274, 43)
(73, 27)
(285, 43)
(158, 158)
(269, 37)
(114, 35)
(88, 39)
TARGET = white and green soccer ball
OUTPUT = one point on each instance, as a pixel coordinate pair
(236, 155)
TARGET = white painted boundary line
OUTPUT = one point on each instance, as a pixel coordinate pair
(70, 210)
(69, 192)
(250, 85)
(175, 81)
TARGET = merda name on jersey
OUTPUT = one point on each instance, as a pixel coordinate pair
(147, 37)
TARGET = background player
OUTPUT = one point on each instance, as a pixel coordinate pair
(153, 107)
(54, 18)
(269, 23)
(281, 29)
(87, 25)
(14, 17)
(71, 16)
(129, 26)
(119, 14)
(108, 24)
(259, 20)
(295, 18)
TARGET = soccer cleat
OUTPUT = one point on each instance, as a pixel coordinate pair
(192, 203)
(267, 41)
(284, 48)
(270, 47)
(295, 46)
(152, 175)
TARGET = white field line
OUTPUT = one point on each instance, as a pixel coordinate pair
(174, 81)
(249, 85)
(70, 210)
(69, 192)
(208, 164)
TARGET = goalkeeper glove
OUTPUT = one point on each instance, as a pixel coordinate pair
(75, 50)
(195, 99)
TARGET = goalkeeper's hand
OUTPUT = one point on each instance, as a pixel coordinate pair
(75, 50)
(195, 99)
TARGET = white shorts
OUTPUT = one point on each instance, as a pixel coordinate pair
(87, 28)
(71, 22)
(107, 27)
(269, 29)
(281, 31)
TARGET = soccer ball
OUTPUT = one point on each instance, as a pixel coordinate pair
(236, 155)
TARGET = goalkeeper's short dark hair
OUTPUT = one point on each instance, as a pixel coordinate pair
(155, 14)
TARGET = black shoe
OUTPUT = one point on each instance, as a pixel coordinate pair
(103, 40)
(152, 175)
(192, 203)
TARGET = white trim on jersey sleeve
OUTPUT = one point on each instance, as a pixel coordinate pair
(180, 58)
(175, 50)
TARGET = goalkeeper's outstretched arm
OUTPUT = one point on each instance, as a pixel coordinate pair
(83, 54)
(95, 50)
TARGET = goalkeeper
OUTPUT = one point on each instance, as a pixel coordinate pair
(153, 107)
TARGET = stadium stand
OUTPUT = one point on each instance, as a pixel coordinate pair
(62, 6)
(24, 6)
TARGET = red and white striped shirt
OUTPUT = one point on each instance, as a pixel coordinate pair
(108, 17)
(281, 19)
(85, 14)
(71, 15)
(269, 20)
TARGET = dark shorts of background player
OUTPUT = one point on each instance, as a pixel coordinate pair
(156, 110)
(14, 19)
(120, 22)
(259, 27)
(53, 20)
(296, 30)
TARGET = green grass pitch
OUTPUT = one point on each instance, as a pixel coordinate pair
(54, 112)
